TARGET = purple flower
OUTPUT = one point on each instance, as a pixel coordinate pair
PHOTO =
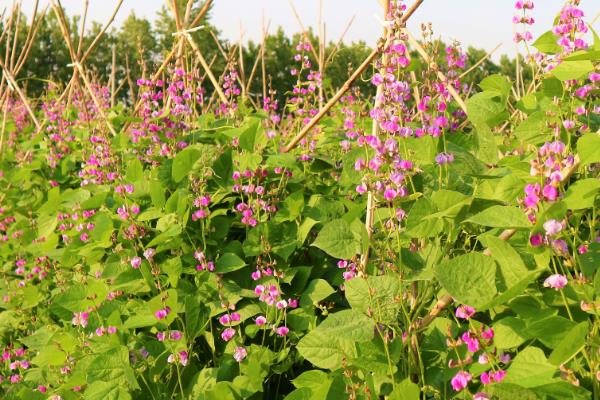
(550, 193)
(460, 380)
(556, 281)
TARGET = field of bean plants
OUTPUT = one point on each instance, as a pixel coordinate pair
(434, 238)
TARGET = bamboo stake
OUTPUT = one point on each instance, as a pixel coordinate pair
(478, 63)
(78, 66)
(15, 86)
(206, 67)
(346, 86)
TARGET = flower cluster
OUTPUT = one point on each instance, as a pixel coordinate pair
(523, 19)
(479, 344)
(165, 107)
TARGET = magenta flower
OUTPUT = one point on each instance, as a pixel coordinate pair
(550, 193)
(282, 331)
(556, 281)
(240, 353)
(162, 314)
(536, 240)
(481, 396)
(261, 320)
(228, 334)
(464, 312)
(460, 380)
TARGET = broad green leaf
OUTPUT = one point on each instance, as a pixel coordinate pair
(183, 162)
(588, 148)
(530, 369)
(100, 390)
(375, 296)
(348, 324)
(508, 333)
(325, 351)
(112, 366)
(581, 194)
(337, 239)
(501, 217)
(317, 290)
(546, 43)
(406, 390)
(173, 269)
(572, 343)
(569, 70)
(469, 278)
(229, 262)
(496, 83)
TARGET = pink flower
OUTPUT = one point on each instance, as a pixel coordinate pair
(240, 353)
(556, 281)
(481, 396)
(162, 314)
(261, 320)
(464, 312)
(536, 240)
(552, 227)
(228, 334)
(80, 319)
(160, 336)
(149, 253)
(550, 193)
(460, 380)
(136, 262)
(225, 319)
(282, 330)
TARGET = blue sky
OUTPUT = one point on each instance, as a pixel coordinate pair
(483, 23)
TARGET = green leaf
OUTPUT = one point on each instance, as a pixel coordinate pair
(375, 296)
(406, 390)
(572, 344)
(546, 43)
(470, 278)
(183, 162)
(252, 137)
(100, 390)
(112, 366)
(496, 83)
(348, 324)
(501, 217)
(337, 239)
(173, 269)
(530, 369)
(317, 290)
(569, 70)
(508, 333)
(135, 171)
(292, 207)
(325, 351)
(588, 147)
(229, 262)
(582, 194)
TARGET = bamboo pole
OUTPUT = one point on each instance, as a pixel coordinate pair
(346, 86)
(206, 67)
(87, 84)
